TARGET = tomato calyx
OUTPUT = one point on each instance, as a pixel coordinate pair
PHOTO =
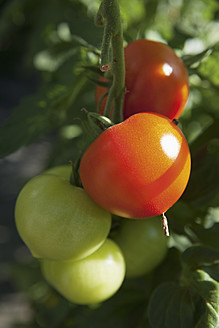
(75, 177)
(94, 124)
(98, 122)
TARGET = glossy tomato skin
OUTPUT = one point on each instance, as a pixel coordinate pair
(138, 168)
(63, 171)
(90, 280)
(59, 221)
(156, 80)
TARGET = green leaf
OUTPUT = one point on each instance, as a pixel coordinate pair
(124, 309)
(207, 69)
(197, 256)
(202, 282)
(208, 289)
(171, 306)
(38, 115)
(190, 60)
(209, 134)
(203, 183)
(208, 236)
(52, 58)
(179, 215)
(27, 123)
(212, 271)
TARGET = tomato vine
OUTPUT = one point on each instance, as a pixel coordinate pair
(109, 16)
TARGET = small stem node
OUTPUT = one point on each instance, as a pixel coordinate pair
(175, 121)
(105, 67)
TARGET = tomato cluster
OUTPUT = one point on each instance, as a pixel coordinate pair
(68, 232)
(70, 235)
(136, 169)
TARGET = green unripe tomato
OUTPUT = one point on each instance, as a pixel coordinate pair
(143, 244)
(62, 171)
(90, 280)
(59, 221)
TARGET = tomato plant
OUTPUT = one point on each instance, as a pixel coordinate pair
(89, 280)
(156, 80)
(138, 168)
(59, 221)
(143, 244)
(135, 169)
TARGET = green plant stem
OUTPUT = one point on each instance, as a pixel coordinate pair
(109, 15)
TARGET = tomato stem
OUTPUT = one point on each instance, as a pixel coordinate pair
(175, 121)
(165, 225)
(109, 16)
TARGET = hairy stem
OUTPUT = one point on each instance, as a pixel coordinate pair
(112, 56)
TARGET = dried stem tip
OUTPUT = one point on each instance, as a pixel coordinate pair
(165, 225)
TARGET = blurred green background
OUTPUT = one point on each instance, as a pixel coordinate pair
(44, 49)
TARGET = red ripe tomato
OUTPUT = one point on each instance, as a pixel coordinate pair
(138, 168)
(156, 80)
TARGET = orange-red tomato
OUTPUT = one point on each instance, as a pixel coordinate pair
(156, 80)
(138, 168)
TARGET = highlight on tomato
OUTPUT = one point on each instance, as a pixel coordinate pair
(156, 80)
(90, 280)
(138, 168)
(59, 221)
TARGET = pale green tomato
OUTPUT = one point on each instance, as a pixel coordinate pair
(90, 280)
(62, 171)
(143, 244)
(59, 221)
